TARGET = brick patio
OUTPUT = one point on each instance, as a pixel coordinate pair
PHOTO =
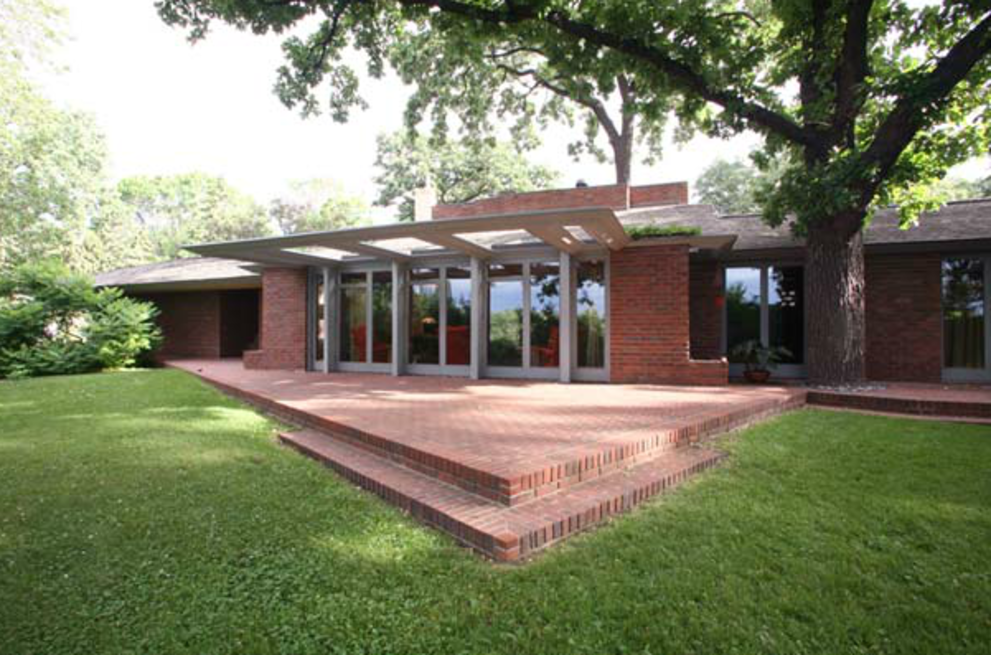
(507, 467)
(951, 402)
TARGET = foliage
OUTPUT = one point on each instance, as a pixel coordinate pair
(732, 186)
(459, 171)
(638, 232)
(51, 169)
(152, 503)
(316, 206)
(755, 356)
(54, 322)
(866, 103)
(178, 210)
(478, 77)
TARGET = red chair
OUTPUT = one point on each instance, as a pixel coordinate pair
(549, 355)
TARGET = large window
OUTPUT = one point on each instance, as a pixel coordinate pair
(424, 316)
(767, 304)
(590, 297)
(743, 301)
(354, 317)
(505, 315)
(964, 329)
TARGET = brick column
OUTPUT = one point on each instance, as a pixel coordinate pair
(283, 321)
(649, 336)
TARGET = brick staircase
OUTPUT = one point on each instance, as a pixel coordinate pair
(509, 515)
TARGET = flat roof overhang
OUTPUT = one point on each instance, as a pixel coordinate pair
(599, 226)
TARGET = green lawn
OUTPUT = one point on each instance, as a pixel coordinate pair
(143, 512)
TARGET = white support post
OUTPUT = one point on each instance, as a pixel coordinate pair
(399, 318)
(327, 314)
(478, 332)
(567, 314)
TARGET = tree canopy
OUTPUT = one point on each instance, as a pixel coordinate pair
(317, 205)
(459, 171)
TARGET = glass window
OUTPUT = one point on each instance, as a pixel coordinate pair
(591, 311)
(424, 316)
(458, 317)
(354, 317)
(785, 315)
(505, 315)
(382, 317)
(545, 305)
(963, 313)
(321, 324)
(742, 307)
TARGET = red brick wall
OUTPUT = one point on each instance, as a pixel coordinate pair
(649, 335)
(655, 195)
(615, 196)
(705, 306)
(190, 323)
(283, 321)
(904, 325)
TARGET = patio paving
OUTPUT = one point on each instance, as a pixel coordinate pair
(944, 401)
(507, 467)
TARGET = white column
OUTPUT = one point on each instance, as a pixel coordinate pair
(328, 285)
(399, 318)
(567, 317)
(479, 338)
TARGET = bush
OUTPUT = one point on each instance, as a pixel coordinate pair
(52, 322)
(638, 232)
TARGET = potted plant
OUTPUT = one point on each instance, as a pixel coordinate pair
(758, 360)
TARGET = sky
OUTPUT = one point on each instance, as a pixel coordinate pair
(167, 106)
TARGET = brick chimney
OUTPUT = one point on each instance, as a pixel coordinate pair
(614, 196)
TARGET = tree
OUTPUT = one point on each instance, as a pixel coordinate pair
(178, 210)
(510, 77)
(868, 102)
(459, 171)
(730, 186)
(317, 205)
(51, 160)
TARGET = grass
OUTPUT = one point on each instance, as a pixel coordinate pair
(143, 512)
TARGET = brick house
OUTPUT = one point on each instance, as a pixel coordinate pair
(549, 285)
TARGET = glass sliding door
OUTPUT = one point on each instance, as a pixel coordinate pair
(590, 310)
(965, 328)
(505, 315)
(354, 317)
(545, 314)
(457, 330)
(766, 304)
(785, 312)
(424, 316)
(382, 317)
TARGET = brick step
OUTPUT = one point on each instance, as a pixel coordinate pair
(917, 406)
(515, 485)
(505, 533)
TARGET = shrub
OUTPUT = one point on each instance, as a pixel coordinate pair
(52, 322)
(638, 232)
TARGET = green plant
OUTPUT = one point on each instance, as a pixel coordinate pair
(755, 356)
(638, 232)
(52, 322)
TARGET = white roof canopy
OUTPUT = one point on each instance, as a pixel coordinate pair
(568, 230)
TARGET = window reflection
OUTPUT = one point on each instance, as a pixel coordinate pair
(424, 315)
(545, 305)
(458, 348)
(505, 315)
(354, 317)
(591, 312)
(963, 313)
(742, 307)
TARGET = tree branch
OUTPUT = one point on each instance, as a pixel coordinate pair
(680, 74)
(852, 68)
(909, 114)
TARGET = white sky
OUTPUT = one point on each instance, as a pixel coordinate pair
(169, 107)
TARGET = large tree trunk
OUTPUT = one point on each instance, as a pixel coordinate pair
(623, 158)
(834, 292)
